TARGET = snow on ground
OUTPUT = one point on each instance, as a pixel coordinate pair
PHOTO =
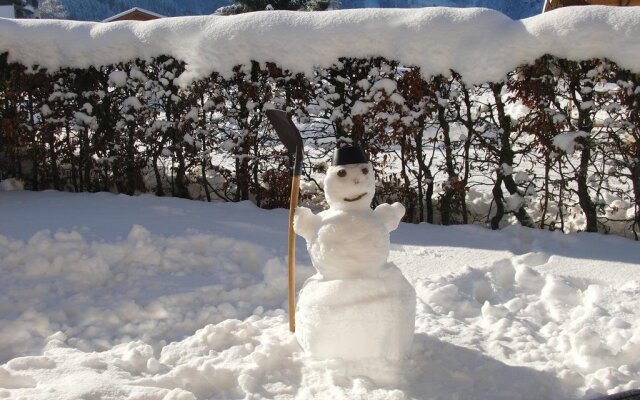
(108, 297)
(481, 44)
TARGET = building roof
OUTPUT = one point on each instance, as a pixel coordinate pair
(553, 4)
(7, 11)
(132, 11)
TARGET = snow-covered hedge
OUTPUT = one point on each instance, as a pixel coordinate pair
(470, 117)
(480, 44)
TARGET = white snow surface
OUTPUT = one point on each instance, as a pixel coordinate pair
(481, 44)
(108, 297)
(567, 141)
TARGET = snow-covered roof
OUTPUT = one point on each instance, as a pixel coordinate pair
(481, 44)
(132, 10)
(553, 4)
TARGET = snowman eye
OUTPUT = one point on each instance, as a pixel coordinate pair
(365, 171)
(342, 173)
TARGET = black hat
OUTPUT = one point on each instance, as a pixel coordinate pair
(349, 155)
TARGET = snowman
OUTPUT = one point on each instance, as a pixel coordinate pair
(358, 305)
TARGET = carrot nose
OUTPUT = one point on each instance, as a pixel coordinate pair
(356, 181)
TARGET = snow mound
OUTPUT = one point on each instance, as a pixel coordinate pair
(583, 332)
(152, 288)
(11, 184)
(437, 39)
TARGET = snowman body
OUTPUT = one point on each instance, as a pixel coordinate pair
(349, 244)
(358, 305)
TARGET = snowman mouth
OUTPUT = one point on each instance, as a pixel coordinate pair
(356, 198)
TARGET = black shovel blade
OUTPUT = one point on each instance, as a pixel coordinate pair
(288, 134)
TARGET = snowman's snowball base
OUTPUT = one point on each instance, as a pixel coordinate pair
(358, 318)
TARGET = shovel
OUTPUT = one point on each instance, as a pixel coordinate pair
(290, 137)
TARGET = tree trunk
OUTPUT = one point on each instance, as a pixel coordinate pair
(74, 173)
(181, 175)
(507, 156)
(35, 151)
(468, 122)
(635, 178)
(423, 174)
(205, 183)
(254, 174)
(499, 200)
(449, 191)
(429, 197)
(585, 124)
(587, 205)
(130, 167)
(242, 178)
(405, 178)
(561, 195)
(86, 159)
(156, 172)
(545, 206)
(55, 176)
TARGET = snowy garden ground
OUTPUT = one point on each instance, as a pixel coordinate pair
(108, 297)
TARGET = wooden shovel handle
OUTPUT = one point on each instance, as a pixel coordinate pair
(295, 190)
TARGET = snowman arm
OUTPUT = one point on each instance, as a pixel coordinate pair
(305, 223)
(390, 214)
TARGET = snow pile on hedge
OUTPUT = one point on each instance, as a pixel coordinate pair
(90, 305)
(481, 44)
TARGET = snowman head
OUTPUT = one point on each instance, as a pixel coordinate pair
(350, 183)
